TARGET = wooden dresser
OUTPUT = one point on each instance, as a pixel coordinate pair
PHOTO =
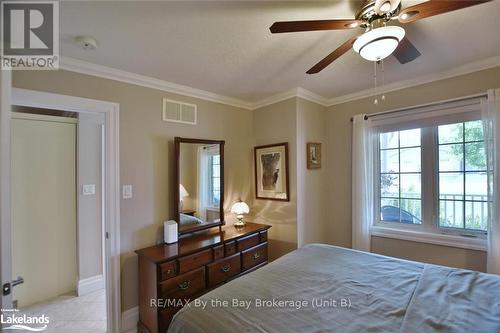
(192, 267)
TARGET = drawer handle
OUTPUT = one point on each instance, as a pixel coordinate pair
(226, 268)
(185, 285)
(256, 255)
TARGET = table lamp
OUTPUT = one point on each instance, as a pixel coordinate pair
(240, 208)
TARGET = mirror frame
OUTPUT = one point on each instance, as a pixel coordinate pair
(177, 146)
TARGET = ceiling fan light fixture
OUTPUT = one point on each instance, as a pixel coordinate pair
(409, 14)
(351, 25)
(385, 6)
(378, 43)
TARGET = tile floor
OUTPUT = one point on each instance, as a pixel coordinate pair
(72, 314)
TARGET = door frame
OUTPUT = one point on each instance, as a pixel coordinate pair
(5, 208)
(38, 99)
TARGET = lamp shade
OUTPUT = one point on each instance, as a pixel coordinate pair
(379, 43)
(240, 208)
(182, 191)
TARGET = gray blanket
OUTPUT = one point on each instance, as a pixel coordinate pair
(323, 288)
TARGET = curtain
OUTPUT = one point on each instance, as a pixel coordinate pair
(491, 123)
(203, 183)
(362, 182)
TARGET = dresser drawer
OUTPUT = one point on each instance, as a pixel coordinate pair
(183, 286)
(248, 242)
(263, 236)
(254, 256)
(196, 260)
(218, 252)
(222, 270)
(167, 270)
(230, 248)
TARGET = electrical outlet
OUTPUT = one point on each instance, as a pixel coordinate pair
(127, 191)
(88, 189)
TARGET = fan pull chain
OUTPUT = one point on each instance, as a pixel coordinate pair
(375, 82)
(383, 79)
(382, 74)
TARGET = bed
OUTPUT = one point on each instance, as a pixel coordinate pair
(354, 292)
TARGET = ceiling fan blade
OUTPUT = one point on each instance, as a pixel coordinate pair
(294, 26)
(332, 56)
(406, 51)
(434, 7)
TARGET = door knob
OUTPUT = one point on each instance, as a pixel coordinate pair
(6, 288)
(17, 281)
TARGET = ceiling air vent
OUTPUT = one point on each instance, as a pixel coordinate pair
(179, 112)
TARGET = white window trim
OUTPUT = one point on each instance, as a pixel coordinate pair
(472, 243)
(428, 231)
(212, 151)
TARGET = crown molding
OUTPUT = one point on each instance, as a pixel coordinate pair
(403, 84)
(311, 96)
(83, 67)
(88, 68)
(276, 98)
(295, 92)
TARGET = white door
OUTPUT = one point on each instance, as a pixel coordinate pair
(43, 188)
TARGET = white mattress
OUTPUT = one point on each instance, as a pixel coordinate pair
(383, 295)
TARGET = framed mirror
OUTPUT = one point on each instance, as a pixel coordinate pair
(199, 184)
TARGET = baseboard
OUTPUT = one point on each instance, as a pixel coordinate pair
(130, 319)
(91, 284)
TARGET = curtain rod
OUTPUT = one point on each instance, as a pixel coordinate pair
(424, 105)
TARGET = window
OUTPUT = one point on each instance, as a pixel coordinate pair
(432, 179)
(214, 194)
(400, 177)
(462, 176)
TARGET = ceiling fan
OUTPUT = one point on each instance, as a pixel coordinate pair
(379, 39)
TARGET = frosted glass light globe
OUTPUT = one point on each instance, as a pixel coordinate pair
(379, 43)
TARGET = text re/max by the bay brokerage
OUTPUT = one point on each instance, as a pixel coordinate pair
(314, 303)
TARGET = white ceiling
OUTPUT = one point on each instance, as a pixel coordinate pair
(226, 47)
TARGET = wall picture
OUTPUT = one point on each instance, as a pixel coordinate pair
(313, 155)
(271, 172)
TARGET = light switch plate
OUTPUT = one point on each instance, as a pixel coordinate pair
(127, 191)
(88, 189)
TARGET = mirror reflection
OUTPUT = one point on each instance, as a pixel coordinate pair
(199, 185)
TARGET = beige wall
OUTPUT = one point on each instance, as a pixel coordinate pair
(90, 206)
(435, 254)
(277, 123)
(311, 185)
(339, 170)
(300, 221)
(146, 154)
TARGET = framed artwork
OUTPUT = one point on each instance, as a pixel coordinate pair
(313, 155)
(271, 172)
